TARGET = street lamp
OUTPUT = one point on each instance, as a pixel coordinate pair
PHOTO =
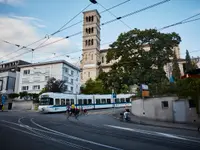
(93, 1)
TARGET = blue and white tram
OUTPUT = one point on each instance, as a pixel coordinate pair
(56, 102)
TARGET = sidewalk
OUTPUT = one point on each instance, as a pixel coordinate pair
(146, 121)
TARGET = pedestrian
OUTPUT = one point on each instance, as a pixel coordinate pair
(3, 99)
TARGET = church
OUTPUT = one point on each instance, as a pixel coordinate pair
(93, 57)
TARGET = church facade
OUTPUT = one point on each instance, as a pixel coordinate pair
(93, 57)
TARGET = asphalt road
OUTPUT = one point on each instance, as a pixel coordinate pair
(98, 130)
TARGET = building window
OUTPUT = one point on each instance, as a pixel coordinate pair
(71, 88)
(66, 79)
(36, 87)
(85, 56)
(92, 42)
(165, 104)
(66, 70)
(86, 30)
(102, 59)
(88, 74)
(92, 18)
(46, 78)
(72, 72)
(92, 30)
(81, 76)
(26, 72)
(86, 43)
(87, 19)
(24, 88)
(71, 81)
(91, 56)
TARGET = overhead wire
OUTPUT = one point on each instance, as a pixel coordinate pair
(187, 20)
(151, 6)
(114, 16)
(135, 12)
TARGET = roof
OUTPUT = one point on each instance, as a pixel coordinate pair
(50, 62)
(15, 61)
(103, 50)
(94, 10)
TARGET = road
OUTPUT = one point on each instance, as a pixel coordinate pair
(98, 130)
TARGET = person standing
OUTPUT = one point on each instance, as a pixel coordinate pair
(3, 99)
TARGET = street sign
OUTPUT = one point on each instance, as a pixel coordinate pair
(114, 95)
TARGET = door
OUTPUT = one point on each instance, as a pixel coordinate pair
(179, 111)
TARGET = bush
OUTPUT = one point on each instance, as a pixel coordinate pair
(13, 95)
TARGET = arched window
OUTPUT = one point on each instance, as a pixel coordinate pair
(89, 30)
(89, 18)
(91, 56)
(86, 43)
(92, 18)
(86, 30)
(85, 56)
(92, 30)
(92, 42)
(86, 19)
(102, 59)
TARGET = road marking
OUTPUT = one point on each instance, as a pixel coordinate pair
(43, 135)
(75, 138)
(154, 133)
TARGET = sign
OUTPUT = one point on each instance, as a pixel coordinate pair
(144, 87)
(114, 95)
(145, 93)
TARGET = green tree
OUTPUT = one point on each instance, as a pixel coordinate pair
(23, 94)
(54, 85)
(135, 64)
(190, 88)
(188, 65)
(176, 73)
(93, 87)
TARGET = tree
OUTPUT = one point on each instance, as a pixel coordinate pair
(135, 64)
(190, 88)
(176, 73)
(189, 65)
(54, 85)
(93, 87)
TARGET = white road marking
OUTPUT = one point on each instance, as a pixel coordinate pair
(155, 133)
(76, 138)
(42, 135)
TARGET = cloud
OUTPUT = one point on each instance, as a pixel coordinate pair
(21, 30)
(12, 2)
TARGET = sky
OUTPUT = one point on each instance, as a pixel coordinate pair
(25, 21)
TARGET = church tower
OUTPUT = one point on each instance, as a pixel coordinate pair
(91, 45)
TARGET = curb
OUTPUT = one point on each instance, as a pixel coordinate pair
(154, 125)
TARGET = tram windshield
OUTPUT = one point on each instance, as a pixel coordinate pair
(46, 101)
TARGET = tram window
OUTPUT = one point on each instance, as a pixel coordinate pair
(67, 102)
(103, 101)
(72, 101)
(98, 101)
(117, 100)
(127, 100)
(85, 101)
(63, 102)
(57, 102)
(122, 100)
(80, 101)
(89, 101)
(51, 101)
(109, 101)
